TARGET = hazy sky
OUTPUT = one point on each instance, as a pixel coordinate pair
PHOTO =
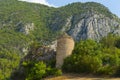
(113, 5)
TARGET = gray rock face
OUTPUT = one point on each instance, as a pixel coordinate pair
(91, 26)
(42, 53)
(26, 28)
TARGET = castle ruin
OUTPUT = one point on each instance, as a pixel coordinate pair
(65, 46)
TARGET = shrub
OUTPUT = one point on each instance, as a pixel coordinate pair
(117, 72)
(91, 57)
(53, 71)
(88, 47)
(106, 70)
(82, 64)
(38, 70)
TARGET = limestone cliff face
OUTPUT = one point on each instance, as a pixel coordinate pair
(92, 26)
(25, 28)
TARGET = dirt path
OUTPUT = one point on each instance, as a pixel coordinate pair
(79, 77)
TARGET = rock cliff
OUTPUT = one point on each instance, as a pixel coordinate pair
(92, 26)
(86, 21)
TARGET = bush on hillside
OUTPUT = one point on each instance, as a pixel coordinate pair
(38, 70)
(92, 57)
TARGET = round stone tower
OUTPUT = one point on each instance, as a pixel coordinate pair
(65, 46)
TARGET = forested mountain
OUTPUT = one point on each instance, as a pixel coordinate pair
(23, 23)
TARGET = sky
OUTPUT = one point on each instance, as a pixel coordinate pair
(113, 5)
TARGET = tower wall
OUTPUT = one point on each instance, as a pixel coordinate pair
(65, 46)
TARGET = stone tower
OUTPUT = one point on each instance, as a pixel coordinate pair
(65, 46)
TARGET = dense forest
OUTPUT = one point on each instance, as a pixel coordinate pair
(48, 22)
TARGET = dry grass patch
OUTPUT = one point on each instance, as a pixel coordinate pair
(80, 77)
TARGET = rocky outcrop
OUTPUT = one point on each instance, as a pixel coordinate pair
(25, 28)
(42, 53)
(53, 45)
(39, 53)
(91, 26)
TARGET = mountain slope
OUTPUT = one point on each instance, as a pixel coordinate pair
(23, 23)
(17, 19)
(86, 21)
(42, 21)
